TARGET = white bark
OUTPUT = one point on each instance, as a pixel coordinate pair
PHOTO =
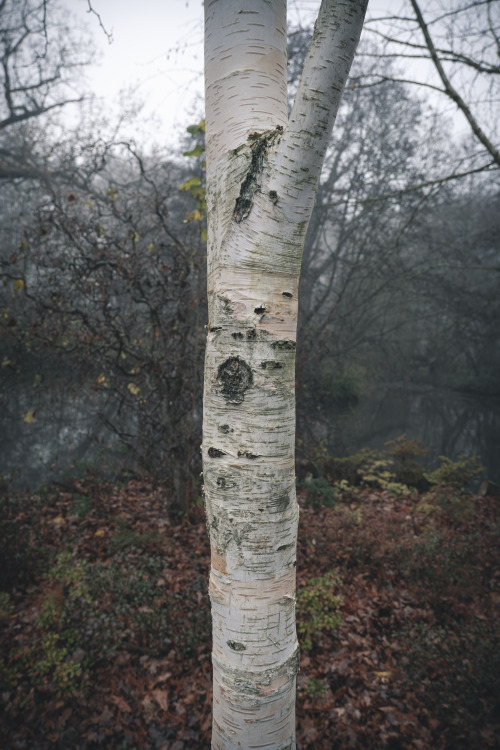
(262, 176)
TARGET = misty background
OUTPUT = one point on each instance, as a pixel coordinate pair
(102, 243)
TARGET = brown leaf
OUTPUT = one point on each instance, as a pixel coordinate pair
(161, 697)
(121, 703)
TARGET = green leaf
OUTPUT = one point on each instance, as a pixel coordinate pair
(192, 182)
(196, 151)
(195, 129)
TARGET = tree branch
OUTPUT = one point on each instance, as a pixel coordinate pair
(450, 91)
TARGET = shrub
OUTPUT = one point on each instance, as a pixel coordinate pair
(319, 492)
(378, 475)
(457, 505)
(407, 469)
(317, 607)
(81, 506)
(457, 474)
(20, 556)
(97, 607)
(127, 538)
(315, 688)
(350, 468)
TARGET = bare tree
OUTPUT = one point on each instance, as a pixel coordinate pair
(42, 58)
(451, 48)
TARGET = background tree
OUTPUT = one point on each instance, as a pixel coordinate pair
(42, 60)
(460, 41)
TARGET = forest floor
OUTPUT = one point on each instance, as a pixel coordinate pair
(105, 624)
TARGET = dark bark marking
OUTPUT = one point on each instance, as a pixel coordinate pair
(252, 334)
(287, 294)
(235, 377)
(237, 335)
(246, 454)
(284, 345)
(268, 318)
(251, 183)
(271, 364)
(235, 646)
(225, 429)
(281, 503)
(215, 453)
(260, 310)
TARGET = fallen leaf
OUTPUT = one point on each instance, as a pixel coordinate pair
(121, 703)
(161, 697)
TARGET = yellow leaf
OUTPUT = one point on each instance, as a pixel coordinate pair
(58, 521)
(193, 216)
(18, 285)
(6, 361)
(102, 380)
(30, 416)
(135, 236)
(5, 313)
(151, 247)
(100, 532)
(382, 674)
(134, 389)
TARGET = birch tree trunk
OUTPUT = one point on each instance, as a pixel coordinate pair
(263, 170)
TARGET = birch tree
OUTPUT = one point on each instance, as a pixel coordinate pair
(263, 170)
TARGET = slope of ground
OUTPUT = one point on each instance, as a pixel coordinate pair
(105, 624)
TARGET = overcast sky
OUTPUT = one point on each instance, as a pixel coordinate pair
(157, 55)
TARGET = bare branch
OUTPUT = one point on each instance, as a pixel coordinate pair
(109, 34)
(450, 90)
(413, 188)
